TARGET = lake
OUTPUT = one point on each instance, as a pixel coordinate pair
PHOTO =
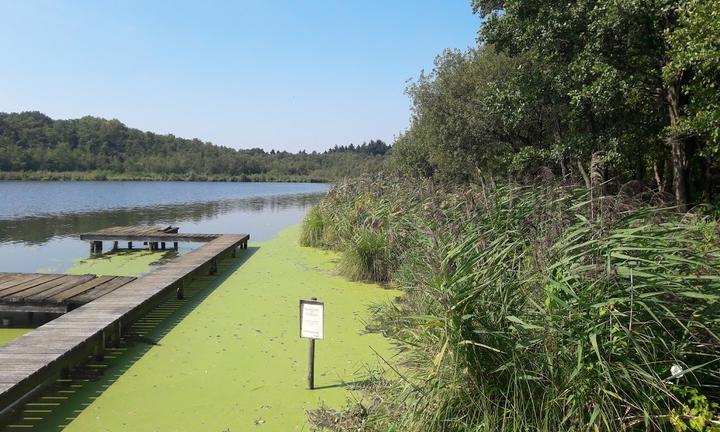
(40, 221)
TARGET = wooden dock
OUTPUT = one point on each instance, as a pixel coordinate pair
(41, 355)
(53, 293)
(155, 237)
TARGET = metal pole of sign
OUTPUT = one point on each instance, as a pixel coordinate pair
(311, 366)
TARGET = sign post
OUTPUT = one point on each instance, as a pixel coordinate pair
(311, 328)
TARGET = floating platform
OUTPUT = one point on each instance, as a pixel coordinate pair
(53, 293)
(34, 359)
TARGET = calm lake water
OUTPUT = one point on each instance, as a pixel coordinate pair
(40, 221)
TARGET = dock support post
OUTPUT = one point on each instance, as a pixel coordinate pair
(119, 334)
(99, 353)
(96, 247)
(114, 335)
(180, 293)
(213, 266)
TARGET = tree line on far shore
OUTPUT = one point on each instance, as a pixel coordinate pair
(32, 145)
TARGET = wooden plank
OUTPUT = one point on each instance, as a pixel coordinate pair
(149, 234)
(43, 287)
(10, 282)
(156, 236)
(81, 288)
(75, 281)
(5, 277)
(21, 279)
(29, 284)
(101, 290)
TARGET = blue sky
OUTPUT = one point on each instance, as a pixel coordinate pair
(285, 75)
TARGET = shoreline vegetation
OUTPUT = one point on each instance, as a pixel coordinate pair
(111, 176)
(532, 307)
(552, 217)
(35, 147)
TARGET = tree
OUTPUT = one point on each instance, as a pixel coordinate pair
(695, 62)
(613, 53)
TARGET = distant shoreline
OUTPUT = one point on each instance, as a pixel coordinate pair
(120, 177)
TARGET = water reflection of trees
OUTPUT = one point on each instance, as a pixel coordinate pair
(38, 230)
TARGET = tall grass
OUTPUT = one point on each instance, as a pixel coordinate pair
(537, 309)
(311, 232)
(365, 257)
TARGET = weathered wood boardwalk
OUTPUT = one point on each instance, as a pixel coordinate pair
(156, 237)
(32, 360)
(53, 293)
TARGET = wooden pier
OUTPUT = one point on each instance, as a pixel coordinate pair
(156, 237)
(41, 355)
(53, 293)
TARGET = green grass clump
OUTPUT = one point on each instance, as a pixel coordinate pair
(536, 308)
(365, 257)
(311, 233)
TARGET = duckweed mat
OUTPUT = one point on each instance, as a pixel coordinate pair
(228, 357)
(121, 263)
(8, 334)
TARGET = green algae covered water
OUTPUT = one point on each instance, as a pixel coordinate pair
(229, 357)
(8, 334)
(123, 263)
(236, 361)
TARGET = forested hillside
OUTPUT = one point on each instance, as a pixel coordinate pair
(32, 145)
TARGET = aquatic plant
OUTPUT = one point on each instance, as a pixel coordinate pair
(312, 228)
(364, 257)
(538, 308)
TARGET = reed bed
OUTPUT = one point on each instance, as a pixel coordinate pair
(533, 308)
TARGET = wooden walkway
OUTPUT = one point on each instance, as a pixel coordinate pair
(41, 355)
(155, 237)
(155, 234)
(53, 293)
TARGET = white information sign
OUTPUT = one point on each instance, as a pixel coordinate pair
(311, 319)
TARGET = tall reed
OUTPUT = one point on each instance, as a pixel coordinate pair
(537, 309)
